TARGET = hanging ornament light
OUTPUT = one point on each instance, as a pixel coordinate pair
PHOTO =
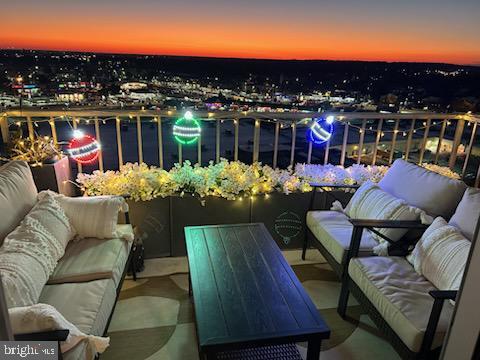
(187, 129)
(321, 130)
(83, 148)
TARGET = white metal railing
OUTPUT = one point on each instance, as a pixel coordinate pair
(403, 137)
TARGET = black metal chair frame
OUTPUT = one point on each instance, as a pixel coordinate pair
(348, 285)
(62, 334)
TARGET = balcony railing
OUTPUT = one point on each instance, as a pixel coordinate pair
(277, 139)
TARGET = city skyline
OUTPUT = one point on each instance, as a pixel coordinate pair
(426, 31)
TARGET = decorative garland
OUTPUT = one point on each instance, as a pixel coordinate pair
(231, 180)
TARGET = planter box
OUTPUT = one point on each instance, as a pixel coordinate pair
(55, 177)
(188, 211)
(152, 219)
(161, 221)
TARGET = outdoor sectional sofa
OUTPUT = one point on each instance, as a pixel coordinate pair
(410, 311)
(85, 284)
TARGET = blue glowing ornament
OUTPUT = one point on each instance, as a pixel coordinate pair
(321, 130)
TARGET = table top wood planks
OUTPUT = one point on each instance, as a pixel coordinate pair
(245, 293)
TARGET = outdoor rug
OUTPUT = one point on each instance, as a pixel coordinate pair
(154, 320)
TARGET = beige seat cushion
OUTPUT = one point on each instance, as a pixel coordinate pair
(86, 305)
(334, 232)
(93, 259)
(401, 296)
(18, 194)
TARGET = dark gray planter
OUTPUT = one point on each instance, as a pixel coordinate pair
(152, 218)
(188, 211)
(55, 177)
(284, 217)
(161, 221)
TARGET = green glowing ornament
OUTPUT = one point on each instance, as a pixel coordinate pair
(187, 129)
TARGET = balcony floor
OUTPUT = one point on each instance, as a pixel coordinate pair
(154, 316)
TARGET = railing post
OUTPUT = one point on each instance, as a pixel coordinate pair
(217, 141)
(98, 137)
(440, 140)
(160, 142)
(394, 141)
(119, 142)
(275, 144)
(139, 139)
(361, 140)
(79, 166)
(469, 149)
(180, 155)
(236, 123)
(424, 142)
(256, 140)
(199, 150)
(327, 150)
(31, 132)
(4, 129)
(456, 142)
(377, 141)
(294, 138)
(344, 144)
(54, 130)
(409, 140)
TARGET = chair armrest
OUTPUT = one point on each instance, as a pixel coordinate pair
(443, 294)
(334, 186)
(439, 297)
(54, 335)
(394, 224)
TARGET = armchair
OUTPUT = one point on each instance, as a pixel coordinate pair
(331, 231)
(404, 305)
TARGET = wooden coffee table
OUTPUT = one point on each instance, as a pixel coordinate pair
(246, 296)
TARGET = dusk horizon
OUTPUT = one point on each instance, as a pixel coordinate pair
(53, 50)
(306, 30)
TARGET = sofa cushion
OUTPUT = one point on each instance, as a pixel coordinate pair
(93, 259)
(467, 214)
(436, 194)
(86, 305)
(333, 230)
(401, 296)
(18, 194)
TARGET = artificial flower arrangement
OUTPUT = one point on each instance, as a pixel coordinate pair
(37, 151)
(226, 179)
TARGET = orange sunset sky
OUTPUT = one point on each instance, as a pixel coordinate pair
(407, 30)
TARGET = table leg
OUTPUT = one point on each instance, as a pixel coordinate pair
(313, 350)
(189, 285)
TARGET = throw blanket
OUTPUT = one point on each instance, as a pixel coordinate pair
(44, 317)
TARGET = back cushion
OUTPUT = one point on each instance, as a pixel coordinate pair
(467, 214)
(441, 255)
(436, 194)
(18, 194)
(371, 202)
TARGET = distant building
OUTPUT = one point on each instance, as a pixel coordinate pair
(133, 86)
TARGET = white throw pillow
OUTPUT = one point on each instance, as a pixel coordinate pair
(93, 217)
(44, 317)
(441, 255)
(30, 253)
(371, 202)
(467, 213)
